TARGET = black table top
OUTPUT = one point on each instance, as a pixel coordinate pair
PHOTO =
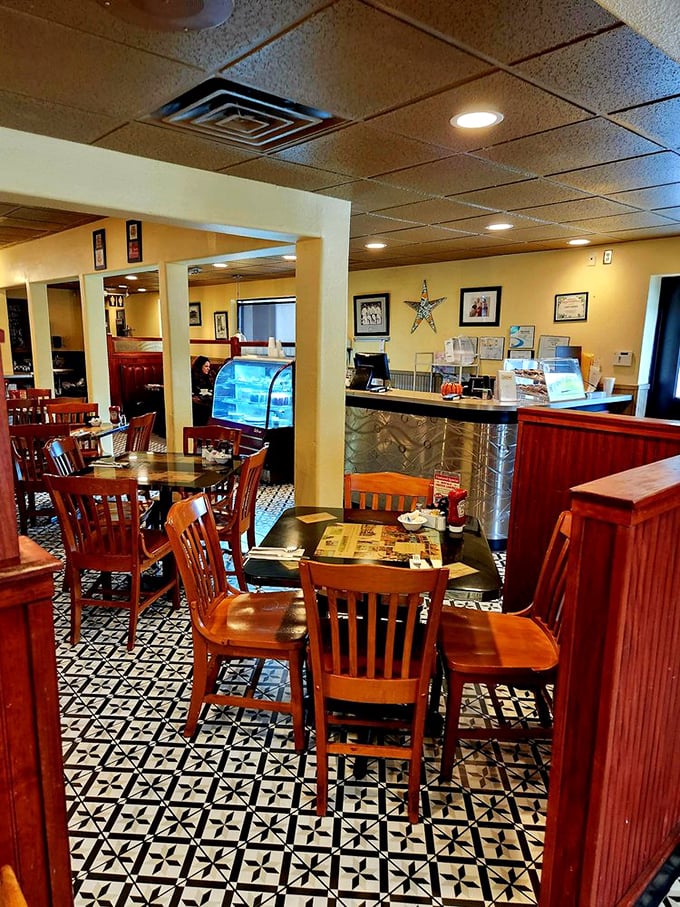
(469, 547)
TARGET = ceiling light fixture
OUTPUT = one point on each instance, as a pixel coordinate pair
(579, 242)
(220, 264)
(141, 290)
(289, 257)
(375, 245)
(500, 227)
(178, 15)
(131, 277)
(476, 119)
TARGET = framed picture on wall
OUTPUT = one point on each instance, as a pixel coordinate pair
(480, 305)
(548, 343)
(372, 315)
(221, 325)
(99, 249)
(491, 347)
(571, 307)
(133, 232)
(195, 317)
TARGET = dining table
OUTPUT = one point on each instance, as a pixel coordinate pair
(473, 574)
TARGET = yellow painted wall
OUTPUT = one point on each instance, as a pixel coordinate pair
(66, 319)
(616, 305)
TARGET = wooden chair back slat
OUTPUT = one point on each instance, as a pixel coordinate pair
(546, 607)
(27, 444)
(25, 411)
(73, 413)
(386, 491)
(63, 456)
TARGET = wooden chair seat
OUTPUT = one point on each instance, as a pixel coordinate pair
(257, 620)
(10, 892)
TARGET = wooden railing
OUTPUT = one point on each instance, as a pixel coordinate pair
(614, 801)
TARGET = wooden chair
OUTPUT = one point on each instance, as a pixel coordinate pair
(386, 491)
(22, 411)
(10, 892)
(76, 415)
(226, 623)
(28, 454)
(369, 651)
(100, 526)
(138, 435)
(520, 649)
(235, 514)
(196, 437)
(63, 456)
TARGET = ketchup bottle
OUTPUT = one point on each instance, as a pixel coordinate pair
(456, 514)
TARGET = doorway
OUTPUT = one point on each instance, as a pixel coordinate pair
(663, 400)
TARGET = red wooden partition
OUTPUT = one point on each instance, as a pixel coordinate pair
(614, 800)
(557, 449)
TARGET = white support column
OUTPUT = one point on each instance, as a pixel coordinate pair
(41, 340)
(96, 352)
(321, 350)
(174, 305)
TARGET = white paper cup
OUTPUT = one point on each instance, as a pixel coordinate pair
(608, 386)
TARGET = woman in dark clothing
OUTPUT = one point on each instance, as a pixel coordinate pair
(202, 382)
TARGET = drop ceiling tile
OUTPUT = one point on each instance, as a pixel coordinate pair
(460, 173)
(545, 231)
(652, 198)
(354, 61)
(362, 151)
(579, 209)
(63, 66)
(372, 195)
(607, 72)
(647, 233)
(507, 31)
(636, 220)
(176, 147)
(390, 239)
(269, 170)
(526, 110)
(517, 196)
(45, 118)
(368, 224)
(479, 224)
(433, 211)
(673, 213)
(584, 144)
(635, 173)
(425, 234)
(464, 242)
(658, 121)
(52, 217)
(251, 23)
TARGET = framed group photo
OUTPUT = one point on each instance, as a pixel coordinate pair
(480, 305)
(571, 307)
(221, 325)
(372, 315)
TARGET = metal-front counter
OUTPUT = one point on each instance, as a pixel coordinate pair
(418, 433)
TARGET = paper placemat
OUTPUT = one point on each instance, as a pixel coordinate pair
(316, 517)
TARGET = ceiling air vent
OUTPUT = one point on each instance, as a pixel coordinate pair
(244, 117)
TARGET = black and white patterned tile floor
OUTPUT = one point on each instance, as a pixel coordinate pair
(228, 818)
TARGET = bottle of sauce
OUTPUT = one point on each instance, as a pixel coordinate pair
(456, 514)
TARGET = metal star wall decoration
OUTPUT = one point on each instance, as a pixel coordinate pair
(424, 308)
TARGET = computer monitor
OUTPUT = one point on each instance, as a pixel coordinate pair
(378, 362)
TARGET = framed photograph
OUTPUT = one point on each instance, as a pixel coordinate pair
(372, 315)
(221, 325)
(133, 232)
(480, 305)
(522, 336)
(521, 354)
(99, 249)
(491, 347)
(195, 318)
(548, 343)
(571, 307)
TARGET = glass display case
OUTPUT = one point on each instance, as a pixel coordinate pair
(255, 391)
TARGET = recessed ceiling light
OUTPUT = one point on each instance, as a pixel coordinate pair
(141, 290)
(122, 286)
(579, 242)
(500, 227)
(131, 277)
(220, 264)
(289, 257)
(375, 245)
(477, 119)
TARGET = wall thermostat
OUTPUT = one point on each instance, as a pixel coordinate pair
(623, 357)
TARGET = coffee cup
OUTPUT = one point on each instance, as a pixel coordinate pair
(608, 386)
